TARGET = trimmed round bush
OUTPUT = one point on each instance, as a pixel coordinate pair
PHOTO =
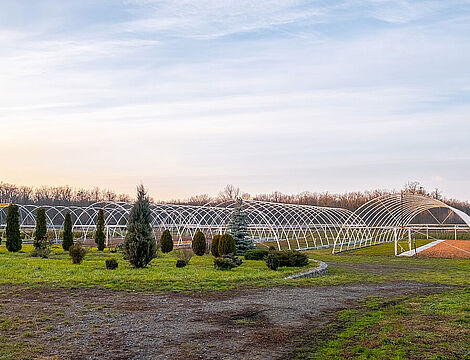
(111, 264)
(166, 242)
(272, 261)
(256, 254)
(215, 245)
(226, 245)
(199, 244)
(77, 252)
(181, 263)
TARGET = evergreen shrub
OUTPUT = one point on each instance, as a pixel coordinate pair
(67, 241)
(222, 263)
(199, 244)
(272, 261)
(180, 263)
(139, 245)
(99, 233)
(215, 245)
(77, 252)
(13, 243)
(238, 228)
(166, 242)
(291, 258)
(41, 243)
(256, 254)
(111, 264)
(226, 245)
(227, 262)
(236, 260)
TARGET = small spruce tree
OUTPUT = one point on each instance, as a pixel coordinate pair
(199, 243)
(215, 245)
(239, 230)
(99, 233)
(68, 233)
(226, 245)
(139, 244)
(166, 242)
(13, 242)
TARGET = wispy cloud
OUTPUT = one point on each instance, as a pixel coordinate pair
(269, 87)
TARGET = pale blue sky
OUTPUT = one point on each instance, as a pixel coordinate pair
(187, 96)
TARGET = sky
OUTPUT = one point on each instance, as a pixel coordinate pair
(188, 96)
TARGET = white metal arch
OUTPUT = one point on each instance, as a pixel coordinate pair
(298, 226)
(385, 219)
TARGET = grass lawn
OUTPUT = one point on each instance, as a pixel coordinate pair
(428, 327)
(391, 268)
(161, 275)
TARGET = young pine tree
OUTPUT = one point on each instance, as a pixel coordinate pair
(14, 242)
(139, 244)
(99, 233)
(199, 244)
(166, 242)
(239, 230)
(68, 233)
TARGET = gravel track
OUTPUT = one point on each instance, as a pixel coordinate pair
(239, 324)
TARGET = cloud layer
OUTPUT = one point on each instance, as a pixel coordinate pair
(187, 96)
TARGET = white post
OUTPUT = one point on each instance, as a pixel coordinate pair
(455, 232)
(409, 239)
(395, 237)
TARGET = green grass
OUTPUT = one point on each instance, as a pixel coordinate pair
(17, 350)
(389, 268)
(161, 275)
(427, 327)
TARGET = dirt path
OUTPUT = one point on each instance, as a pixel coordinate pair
(241, 324)
(449, 249)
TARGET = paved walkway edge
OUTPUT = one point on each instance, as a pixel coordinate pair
(421, 248)
(322, 269)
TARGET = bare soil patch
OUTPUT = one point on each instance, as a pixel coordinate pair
(449, 249)
(92, 323)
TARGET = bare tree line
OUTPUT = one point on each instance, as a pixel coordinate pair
(66, 195)
(56, 195)
(348, 200)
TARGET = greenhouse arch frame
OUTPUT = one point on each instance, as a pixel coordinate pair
(292, 226)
